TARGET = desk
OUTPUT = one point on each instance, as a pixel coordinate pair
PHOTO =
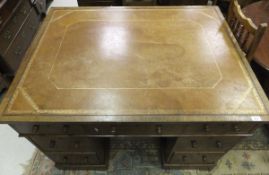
(173, 73)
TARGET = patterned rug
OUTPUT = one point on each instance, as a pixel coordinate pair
(132, 157)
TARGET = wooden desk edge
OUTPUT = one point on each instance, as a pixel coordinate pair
(132, 118)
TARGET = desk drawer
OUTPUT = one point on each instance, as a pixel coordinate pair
(97, 2)
(133, 129)
(201, 144)
(69, 144)
(197, 158)
(138, 2)
(19, 46)
(10, 30)
(76, 159)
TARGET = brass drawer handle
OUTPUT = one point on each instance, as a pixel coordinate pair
(18, 51)
(35, 129)
(66, 128)
(184, 158)
(65, 159)
(76, 145)
(14, 19)
(204, 158)
(7, 35)
(206, 128)
(159, 130)
(52, 144)
(218, 144)
(32, 27)
(23, 10)
(236, 128)
(96, 130)
(113, 130)
(194, 144)
(86, 159)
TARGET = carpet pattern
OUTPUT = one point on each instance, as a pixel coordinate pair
(132, 157)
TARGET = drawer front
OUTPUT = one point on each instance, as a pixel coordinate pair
(82, 159)
(198, 158)
(19, 46)
(10, 30)
(69, 144)
(152, 129)
(204, 144)
(96, 2)
(6, 11)
(138, 2)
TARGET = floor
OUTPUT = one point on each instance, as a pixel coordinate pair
(15, 151)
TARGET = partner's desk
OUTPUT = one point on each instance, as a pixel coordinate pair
(174, 73)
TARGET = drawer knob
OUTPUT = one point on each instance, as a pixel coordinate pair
(52, 144)
(76, 145)
(194, 144)
(218, 144)
(204, 158)
(236, 128)
(35, 129)
(113, 130)
(159, 130)
(184, 158)
(65, 128)
(206, 128)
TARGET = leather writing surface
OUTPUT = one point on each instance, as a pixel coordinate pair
(144, 61)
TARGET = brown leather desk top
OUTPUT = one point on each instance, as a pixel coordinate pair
(155, 64)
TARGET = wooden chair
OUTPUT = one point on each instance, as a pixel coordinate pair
(247, 34)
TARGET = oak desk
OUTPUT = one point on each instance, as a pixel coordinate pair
(172, 73)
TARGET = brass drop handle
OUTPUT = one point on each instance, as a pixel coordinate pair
(193, 143)
(14, 20)
(113, 130)
(206, 128)
(76, 145)
(65, 159)
(65, 129)
(184, 158)
(32, 27)
(35, 129)
(218, 144)
(96, 130)
(52, 144)
(86, 159)
(204, 158)
(7, 35)
(18, 51)
(159, 130)
(236, 128)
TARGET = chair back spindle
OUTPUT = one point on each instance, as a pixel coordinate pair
(247, 34)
